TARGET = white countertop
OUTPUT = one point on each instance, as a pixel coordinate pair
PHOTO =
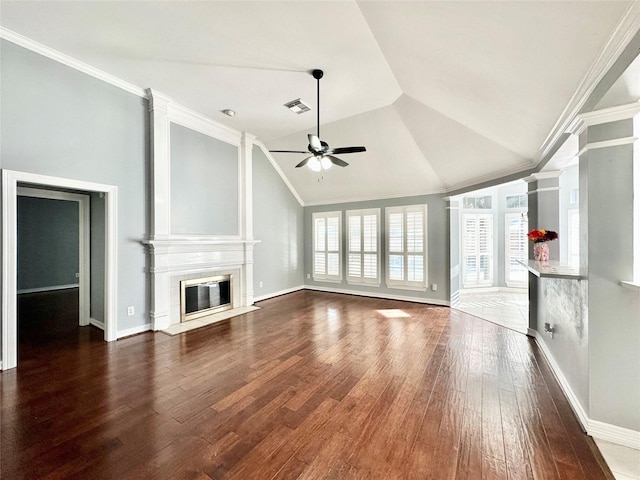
(553, 268)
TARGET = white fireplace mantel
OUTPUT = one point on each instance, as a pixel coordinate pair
(174, 258)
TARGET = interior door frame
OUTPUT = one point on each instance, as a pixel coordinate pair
(10, 180)
(84, 250)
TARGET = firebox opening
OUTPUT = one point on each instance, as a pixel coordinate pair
(204, 296)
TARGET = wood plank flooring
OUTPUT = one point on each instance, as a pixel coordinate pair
(311, 386)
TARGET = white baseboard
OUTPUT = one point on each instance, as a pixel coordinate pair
(134, 331)
(614, 434)
(48, 289)
(604, 431)
(386, 296)
(277, 294)
(96, 323)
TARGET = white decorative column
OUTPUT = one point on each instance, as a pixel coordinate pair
(246, 214)
(160, 169)
(160, 165)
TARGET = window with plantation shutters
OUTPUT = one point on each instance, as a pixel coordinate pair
(363, 245)
(516, 275)
(406, 236)
(477, 250)
(326, 246)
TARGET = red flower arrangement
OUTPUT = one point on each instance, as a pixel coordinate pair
(537, 236)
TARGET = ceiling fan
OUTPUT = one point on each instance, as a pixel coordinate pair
(322, 157)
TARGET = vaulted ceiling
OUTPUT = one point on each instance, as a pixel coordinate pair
(442, 94)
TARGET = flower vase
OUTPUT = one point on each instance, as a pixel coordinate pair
(541, 252)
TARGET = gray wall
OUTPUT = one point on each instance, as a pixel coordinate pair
(437, 246)
(204, 184)
(48, 243)
(278, 221)
(614, 312)
(60, 122)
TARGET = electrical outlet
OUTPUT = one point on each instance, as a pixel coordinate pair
(261, 284)
(77, 275)
(434, 287)
(308, 276)
(130, 311)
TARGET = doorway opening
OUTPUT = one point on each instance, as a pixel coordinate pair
(13, 183)
(53, 237)
(488, 253)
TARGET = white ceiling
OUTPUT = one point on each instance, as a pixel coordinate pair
(442, 94)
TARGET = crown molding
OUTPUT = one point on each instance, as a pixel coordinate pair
(606, 115)
(616, 142)
(627, 28)
(65, 59)
(534, 177)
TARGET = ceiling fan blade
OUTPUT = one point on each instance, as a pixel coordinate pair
(314, 143)
(304, 162)
(340, 150)
(336, 161)
(287, 151)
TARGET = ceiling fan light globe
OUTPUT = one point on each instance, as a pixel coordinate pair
(325, 163)
(314, 164)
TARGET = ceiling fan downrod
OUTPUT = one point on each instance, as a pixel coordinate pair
(317, 74)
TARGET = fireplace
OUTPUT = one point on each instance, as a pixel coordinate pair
(205, 296)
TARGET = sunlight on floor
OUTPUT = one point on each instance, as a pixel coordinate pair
(393, 313)
(507, 308)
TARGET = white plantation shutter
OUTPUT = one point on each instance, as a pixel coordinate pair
(326, 246)
(406, 246)
(515, 249)
(363, 244)
(477, 250)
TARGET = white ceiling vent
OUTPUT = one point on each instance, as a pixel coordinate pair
(297, 106)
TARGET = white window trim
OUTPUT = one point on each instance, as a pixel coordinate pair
(326, 277)
(361, 280)
(406, 284)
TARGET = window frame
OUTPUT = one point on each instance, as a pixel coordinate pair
(361, 279)
(326, 277)
(407, 284)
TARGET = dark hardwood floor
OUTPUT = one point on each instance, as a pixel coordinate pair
(311, 386)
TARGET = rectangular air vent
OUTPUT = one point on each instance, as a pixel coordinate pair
(297, 106)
